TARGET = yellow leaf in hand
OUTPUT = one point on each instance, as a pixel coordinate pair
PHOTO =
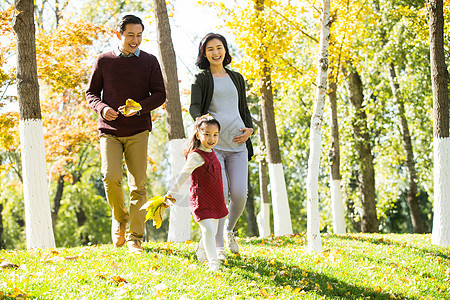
(155, 209)
(131, 106)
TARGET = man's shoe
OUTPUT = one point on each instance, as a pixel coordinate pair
(118, 232)
(134, 246)
(230, 242)
(200, 252)
(221, 254)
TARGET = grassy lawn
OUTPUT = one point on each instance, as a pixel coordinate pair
(354, 266)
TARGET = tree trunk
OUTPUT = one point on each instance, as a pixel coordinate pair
(337, 204)
(281, 213)
(441, 143)
(250, 211)
(57, 200)
(412, 195)
(412, 199)
(263, 217)
(2, 241)
(315, 140)
(81, 220)
(39, 231)
(180, 216)
(366, 176)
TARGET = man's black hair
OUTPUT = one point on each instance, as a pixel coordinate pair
(129, 19)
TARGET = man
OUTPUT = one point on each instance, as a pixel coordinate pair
(125, 73)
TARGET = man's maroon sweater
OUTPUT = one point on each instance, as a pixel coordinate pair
(114, 79)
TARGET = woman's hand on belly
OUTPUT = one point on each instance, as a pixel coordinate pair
(242, 138)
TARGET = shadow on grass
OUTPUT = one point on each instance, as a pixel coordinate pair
(380, 240)
(272, 273)
(168, 249)
(276, 273)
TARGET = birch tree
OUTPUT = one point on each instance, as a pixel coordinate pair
(337, 204)
(412, 195)
(441, 139)
(280, 204)
(263, 217)
(38, 222)
(180, 217)
(315, 140)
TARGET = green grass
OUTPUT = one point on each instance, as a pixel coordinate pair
(356, 266)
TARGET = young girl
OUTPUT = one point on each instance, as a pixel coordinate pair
(220, 92)
(207, 203)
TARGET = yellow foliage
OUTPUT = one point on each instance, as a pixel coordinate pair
(265, 37)
(9, 134)
(5, 20)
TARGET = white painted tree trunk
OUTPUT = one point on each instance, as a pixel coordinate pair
(441, 219)
(263, 219)
(337, 207)
(312, 204)
(441, 138)
(313, 225)
(281, 213)
(180, 215)
(39, 231)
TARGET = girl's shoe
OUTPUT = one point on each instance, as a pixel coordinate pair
(200, 252)
(213, 266)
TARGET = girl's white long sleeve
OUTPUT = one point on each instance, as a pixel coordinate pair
(193, 161)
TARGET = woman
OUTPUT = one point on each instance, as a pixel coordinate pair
(220, 92)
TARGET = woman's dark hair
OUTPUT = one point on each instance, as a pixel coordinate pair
(129, 19)
(202, 61)
(194, 142)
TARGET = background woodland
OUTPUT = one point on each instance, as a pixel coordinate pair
(377, 126)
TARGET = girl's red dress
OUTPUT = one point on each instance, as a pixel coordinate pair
(206, 189)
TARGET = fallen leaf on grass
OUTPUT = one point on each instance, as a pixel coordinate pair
(6, 265)
(154, 267)
(404, 280)
(114, 265)
(264, 293)
(54, 259)
(161, 289)
(18, 294)
(253, 283)
(299, 291)
(101, 275)
(118, 279)
(72, 257)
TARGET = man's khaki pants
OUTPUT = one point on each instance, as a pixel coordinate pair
(134, 149)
